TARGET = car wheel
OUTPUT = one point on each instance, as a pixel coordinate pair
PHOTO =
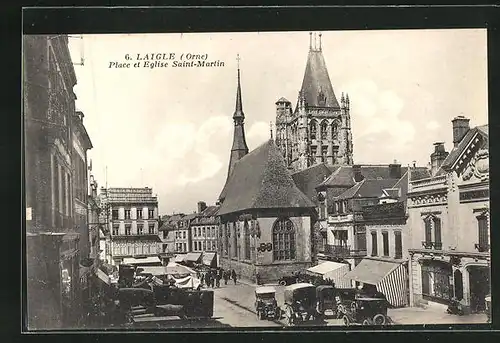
(379, 319)
(346, 320)
(367, 321)
(282, 283)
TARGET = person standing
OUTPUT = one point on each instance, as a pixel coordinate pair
(217, 279)
(226, 276)
(233, 275)
(257, 278)
(209, 279)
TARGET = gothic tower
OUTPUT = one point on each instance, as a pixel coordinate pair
(239, 148)
(319, 129)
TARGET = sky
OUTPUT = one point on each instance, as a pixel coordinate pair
(171, 128)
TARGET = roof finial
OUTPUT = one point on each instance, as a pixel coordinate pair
(238, 60)
(320, 41)
(310, 41)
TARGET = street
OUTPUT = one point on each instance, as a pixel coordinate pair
(234, 307)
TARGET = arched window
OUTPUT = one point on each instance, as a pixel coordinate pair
(324, 130)
(312, 129)
(283, 240)
(247, 241)
(226, 239)
(334, 131)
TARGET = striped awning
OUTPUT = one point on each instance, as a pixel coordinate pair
(389, 277)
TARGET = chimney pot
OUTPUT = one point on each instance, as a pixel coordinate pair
(395, 170)
(438, 157)
(460, 126)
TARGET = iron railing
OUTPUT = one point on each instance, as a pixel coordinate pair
(343, 251)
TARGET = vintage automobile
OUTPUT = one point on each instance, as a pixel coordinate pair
(300, 303)
(164, 301)
(325, 299)
(266, 305)
(363, 310)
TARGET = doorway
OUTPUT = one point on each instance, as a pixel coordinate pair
(479, 283)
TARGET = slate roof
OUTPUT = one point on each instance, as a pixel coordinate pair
(261, 180)
(210, 211)
(456, 151)
(344, 175)
(419, 173)
(308, 179)
(368, 188)
(167, 227)
(316, 78)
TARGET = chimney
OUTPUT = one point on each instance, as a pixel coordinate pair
(356, 169)
(460, 128)
(437, 157)
(201, 206)
(395, 170)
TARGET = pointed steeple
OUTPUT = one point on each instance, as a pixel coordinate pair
(316, 78)
(238, 111)
(239, 148)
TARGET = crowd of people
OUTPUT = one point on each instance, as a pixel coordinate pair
(212, 277)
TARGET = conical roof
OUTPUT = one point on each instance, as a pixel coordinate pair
(317, 81)
(260, 180)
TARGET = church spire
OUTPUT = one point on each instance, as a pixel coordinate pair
(316, 85)
(239, 148)
(238, 111)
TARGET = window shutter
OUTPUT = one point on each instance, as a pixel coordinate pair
(483, 231)
(437, 230)
(428, 230)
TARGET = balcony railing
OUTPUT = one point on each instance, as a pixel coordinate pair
(482, 247)
(343, 251)
(432, 245)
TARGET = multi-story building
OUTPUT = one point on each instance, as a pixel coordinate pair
(167, 236)
(319, 129)
(94, 211)
(56, 145)
(132, 221)
(205, 233)
(449, 223)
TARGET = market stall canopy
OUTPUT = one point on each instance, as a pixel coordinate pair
(179, 258)
(174, 268)
(193, 257)
(140, 261)
(389, 277)
(103, 277)
(334, 271)
(208, 258)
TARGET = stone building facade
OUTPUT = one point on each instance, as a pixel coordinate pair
(56, 144)
(265, 220)
(204, 229)
(449, 223)
(132, 221)
(319, 128)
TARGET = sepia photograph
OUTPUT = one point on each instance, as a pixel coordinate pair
(256, 179)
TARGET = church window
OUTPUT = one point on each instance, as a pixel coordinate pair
(312, 129)
(334, 131)
(247, 241)
(324, 130)
(283, 240)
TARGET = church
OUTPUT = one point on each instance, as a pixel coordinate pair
(265, 220)
(318, 130)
